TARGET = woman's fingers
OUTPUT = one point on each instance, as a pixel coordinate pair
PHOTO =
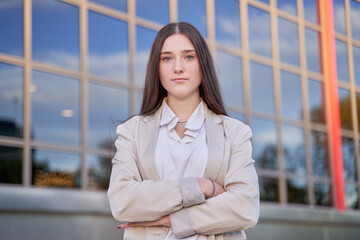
(164, 221)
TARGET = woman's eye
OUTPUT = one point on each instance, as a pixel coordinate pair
(189, 57)
(166, 59)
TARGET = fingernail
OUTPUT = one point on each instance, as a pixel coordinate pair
(119, 227)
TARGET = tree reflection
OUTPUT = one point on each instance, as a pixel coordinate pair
(267, 158)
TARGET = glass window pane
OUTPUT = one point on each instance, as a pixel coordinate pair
(320, 161)
(316, 101)
(11, 100)
(342, 61)
(323, 194)
(354, 17)
(288, 6)
(310, 11)
(262, 95)
(11, 27)
(297, 191)
(55, 36)
(356, 56)
(348, 149)
(358, 109)
(312, 50)
(238, 116)
(227, 22)
(291, 103)
(339, 16)
(264, 1)
(269, 189)
(144, 40)
(352, 196)
(288, 42)
(345, 109)
(229, 72)
(11, 165)
(55, 169)
(259, 31)
(55, 109)
(154, 10)
(139, 97)
(117, 4)
(193, 12)
(98, 172)
(294, 149)
(265, 143)
(108, 51)
(108, 107)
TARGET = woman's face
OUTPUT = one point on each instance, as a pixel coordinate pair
(179, 68)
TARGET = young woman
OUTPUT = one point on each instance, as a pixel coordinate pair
(183, 168)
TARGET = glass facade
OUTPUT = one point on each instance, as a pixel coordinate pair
(71, 71)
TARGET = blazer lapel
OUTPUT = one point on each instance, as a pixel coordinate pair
(215, 141)
(149, 131)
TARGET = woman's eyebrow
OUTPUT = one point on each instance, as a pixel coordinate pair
(184, 51)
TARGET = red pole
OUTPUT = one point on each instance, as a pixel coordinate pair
(332, 96)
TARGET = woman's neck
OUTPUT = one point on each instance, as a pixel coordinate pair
(183, 108)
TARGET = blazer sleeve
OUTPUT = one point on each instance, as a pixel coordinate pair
(131, 198)
(238, 207)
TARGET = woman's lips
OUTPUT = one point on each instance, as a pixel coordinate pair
(179, 80)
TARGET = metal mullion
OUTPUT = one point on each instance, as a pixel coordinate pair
(305, 97)
(131, 55)
(44, 67)
(228, 49)
(57, 147)
(107, 11)
(210, 23)
(259, 5)
(19, 61)
(11, 141)
(173, 10)
(244, 31)
(83, 42)
(261, 59)
(277, 94)
(148, 24)
(26, 170)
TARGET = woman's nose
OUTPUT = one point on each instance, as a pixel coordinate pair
(178, 66)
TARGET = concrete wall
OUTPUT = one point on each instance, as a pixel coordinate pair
(59, 214)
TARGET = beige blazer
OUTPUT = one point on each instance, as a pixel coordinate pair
(136, 194)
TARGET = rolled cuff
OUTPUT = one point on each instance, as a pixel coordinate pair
(190, 191)
(181, 223)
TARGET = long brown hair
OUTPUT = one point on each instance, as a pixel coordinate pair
(154, 92)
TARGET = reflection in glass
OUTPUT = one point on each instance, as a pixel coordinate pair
(229, 72)
(55, 169)
(348, 149)
(288, 42)
(316, 101)
(11, 100)
(117, 4)
(294, 149)
(11, 27)
(323, 194)
(154, 10)
(108, 51)
(139, 97)
(98, 172)
(291, 104)
(269, 189)
(312, 50)
(10, 165)
(108, 107)
(297, 191)
(264, 1)
(265, 143)
(319, 154)
(358, 109)
(288, 6)
(55, 109)
(356, 56)
(310, 11)
(238, 116)
(259, 31)
(345, 108)
(55, 35)
(262, 95)
(144, 40)
(227, 22)
(354, 18)
(339, 16)
(193, 12)
(342, 61)
(352, 196)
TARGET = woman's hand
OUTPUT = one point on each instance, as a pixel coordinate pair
(164, 221)
(207, 187)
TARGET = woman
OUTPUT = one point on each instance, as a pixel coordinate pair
(183, 168)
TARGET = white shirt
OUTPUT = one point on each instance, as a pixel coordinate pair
(178, 158)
